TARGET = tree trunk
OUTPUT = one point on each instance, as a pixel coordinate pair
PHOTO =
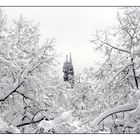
(134, 74)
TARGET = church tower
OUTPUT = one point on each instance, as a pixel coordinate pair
(68, 70)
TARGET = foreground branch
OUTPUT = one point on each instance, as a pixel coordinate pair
(32, 122)
(37, 113)
(11, 92)
(122, 108)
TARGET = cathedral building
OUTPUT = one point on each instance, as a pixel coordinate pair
(68, 70)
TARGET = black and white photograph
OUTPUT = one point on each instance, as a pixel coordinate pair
(69, 70)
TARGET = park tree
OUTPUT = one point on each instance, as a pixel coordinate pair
(120, 45)
(25, 73)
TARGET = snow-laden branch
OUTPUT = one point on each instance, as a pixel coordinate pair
(11, 91)
(32, 122)
(119, 49)
(111, 46)
(13, 88)
(48, 124)
(121, 108)
(118, 72)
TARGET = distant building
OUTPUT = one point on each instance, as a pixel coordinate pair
(68, 70)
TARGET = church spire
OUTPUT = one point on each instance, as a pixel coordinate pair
(66, 58)
(70, 59)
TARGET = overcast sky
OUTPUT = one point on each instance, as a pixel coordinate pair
(72, 27)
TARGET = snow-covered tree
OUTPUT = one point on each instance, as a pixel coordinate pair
(120, 71)
(25, 68)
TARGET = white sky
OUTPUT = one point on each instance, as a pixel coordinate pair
(72, 27)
